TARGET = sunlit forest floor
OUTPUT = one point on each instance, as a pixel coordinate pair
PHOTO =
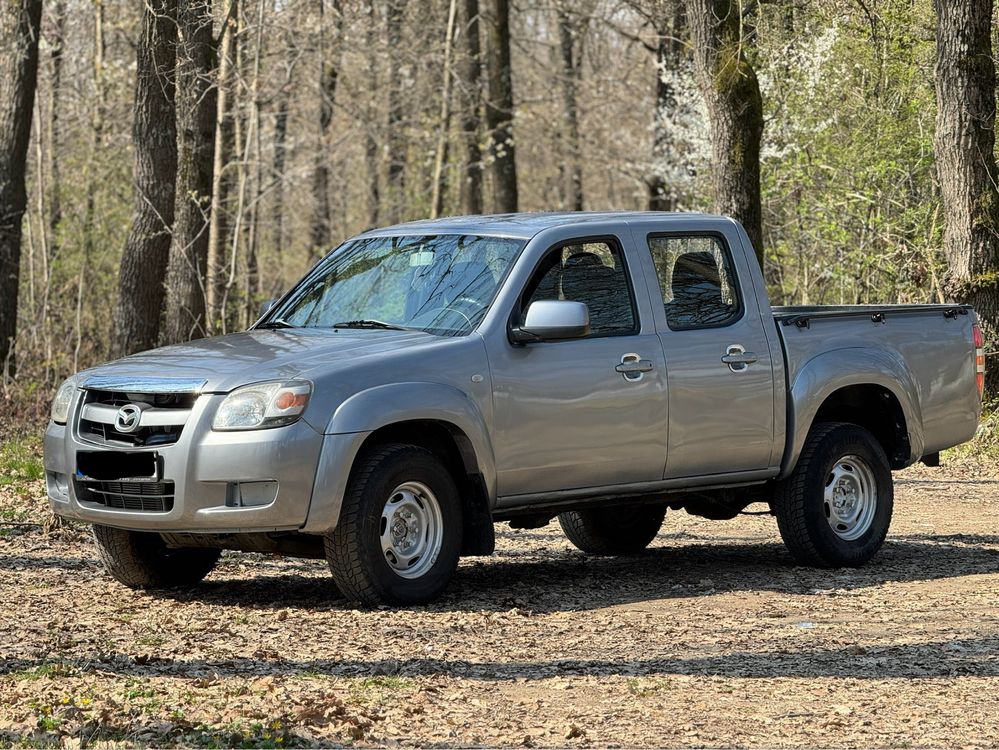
(711, 638)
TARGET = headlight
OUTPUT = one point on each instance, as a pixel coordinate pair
(62, 400)
(262, 405)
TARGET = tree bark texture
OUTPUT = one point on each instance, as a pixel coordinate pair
(396, 141)
(571, 70)
(322, 221)
(673, 64)
(470, 87)
(964, 145)
(735, 110)
(196, 101)
(56, 47)
(154, 133)
(499, 109)
(19, 29)
(217, 224)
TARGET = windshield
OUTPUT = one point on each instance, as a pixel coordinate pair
(442, 284)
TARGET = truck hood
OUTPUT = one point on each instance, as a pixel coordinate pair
(227, 362)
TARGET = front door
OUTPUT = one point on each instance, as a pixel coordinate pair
(720, 371)
(587, 412)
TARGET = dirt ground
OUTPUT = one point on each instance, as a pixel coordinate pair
(711, 638)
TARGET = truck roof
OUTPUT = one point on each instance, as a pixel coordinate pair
(527, 224)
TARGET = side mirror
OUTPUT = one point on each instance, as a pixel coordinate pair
(267, 306)
(553, 320)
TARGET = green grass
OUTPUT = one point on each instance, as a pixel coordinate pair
(21, 460)
(49, 669)
(644, 688)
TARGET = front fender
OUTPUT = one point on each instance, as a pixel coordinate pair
(363, 413)
(825, 374)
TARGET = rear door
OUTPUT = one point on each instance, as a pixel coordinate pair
(719, 370)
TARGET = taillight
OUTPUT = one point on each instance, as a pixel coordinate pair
(979, 359)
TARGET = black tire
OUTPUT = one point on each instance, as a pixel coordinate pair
(359, 566)
(142, 559)
(801, 508)
(622, 530)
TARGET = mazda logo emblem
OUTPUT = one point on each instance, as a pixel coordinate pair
(127, 419)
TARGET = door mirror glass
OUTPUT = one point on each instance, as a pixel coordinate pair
(553, 320)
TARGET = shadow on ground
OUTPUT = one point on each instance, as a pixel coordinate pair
(570, 581)
(973, 657)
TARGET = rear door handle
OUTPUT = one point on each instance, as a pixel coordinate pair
(738, 359)
(746, 358)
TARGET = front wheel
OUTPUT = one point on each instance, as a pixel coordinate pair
(142, 559)
(399, 533)
(835, 508)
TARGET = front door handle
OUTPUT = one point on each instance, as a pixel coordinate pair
(738, 359)
(634, 367)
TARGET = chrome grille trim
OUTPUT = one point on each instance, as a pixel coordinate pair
(105, 414)
(143, 384)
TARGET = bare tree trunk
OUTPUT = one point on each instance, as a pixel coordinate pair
(154, 132)
(471, 98)
(396, 121)
(329, 61)
(97, 141)
(673, 64)
(277, 205)
(735, 110)
(964, 145)
(571, 70)
(196, 99)
(220, 183)
(440, 155)
(499, 109)
(370, 142)
(19, 29)
(55, 130)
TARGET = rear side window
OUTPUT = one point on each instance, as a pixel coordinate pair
(592, 272)
(697, 282)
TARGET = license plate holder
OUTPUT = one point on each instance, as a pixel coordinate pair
(114, 466)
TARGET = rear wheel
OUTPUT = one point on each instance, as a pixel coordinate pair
(399, 533)
(619, 530)
(142, 560)
(835, 508)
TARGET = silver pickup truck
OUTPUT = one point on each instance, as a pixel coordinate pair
(428, 380)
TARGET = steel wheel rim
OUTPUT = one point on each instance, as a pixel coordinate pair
(850, 498)
(411, 530)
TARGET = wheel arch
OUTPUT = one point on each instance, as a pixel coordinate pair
(434, 416)
(867, 387)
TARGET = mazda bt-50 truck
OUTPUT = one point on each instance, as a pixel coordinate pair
(428, 380)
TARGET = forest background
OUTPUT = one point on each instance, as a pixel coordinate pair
(166, 166)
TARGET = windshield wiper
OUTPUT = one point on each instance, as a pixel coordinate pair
(276, 323)
(371, 324)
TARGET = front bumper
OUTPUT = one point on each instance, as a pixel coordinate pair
(276, 469)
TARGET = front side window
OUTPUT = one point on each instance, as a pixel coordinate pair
(441, 284)
(697, 282)
(591, 272)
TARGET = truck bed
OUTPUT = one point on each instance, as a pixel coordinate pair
(933, 342)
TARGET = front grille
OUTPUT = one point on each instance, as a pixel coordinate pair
(97, 432)
(167, 413)
(155, 497)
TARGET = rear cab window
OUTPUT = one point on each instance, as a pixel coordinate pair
(697, 281)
